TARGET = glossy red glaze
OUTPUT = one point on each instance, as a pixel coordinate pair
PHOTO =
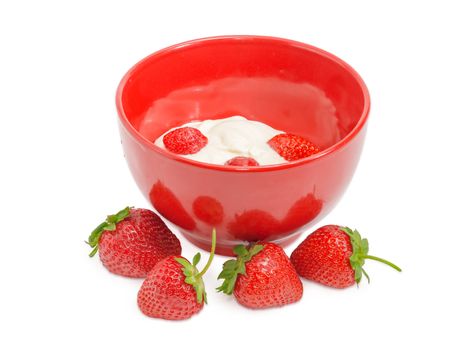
(288, 85)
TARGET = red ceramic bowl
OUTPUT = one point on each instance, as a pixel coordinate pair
(288, 85)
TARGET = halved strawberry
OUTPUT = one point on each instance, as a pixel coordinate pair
(242, 161)
(184, 140)
(292, 147)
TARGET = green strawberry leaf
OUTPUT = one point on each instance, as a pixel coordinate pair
(193, 276)
(232, 268)
(365, 246)
(360, 253)
(366, 275)
(94, 251)
(190, 280)
(108, 225)
(240, 250)
(196, 259)
(93, 239)
(188, 268)
(255, 250)
(116, 218)
(357, 258)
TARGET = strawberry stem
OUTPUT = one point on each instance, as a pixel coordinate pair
(383, 261)
(192, 276)
(210, 259)
(360, 253)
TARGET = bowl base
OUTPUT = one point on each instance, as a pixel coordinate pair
(226, 249)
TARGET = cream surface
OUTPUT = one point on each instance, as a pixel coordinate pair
(233, 137)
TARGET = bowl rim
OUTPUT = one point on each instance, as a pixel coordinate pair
(333, 148)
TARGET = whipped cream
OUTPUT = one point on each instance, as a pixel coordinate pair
(233, 137)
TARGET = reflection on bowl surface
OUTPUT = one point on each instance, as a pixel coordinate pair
(208, 209)
(288, 85)
(166, 203)
(289, 104)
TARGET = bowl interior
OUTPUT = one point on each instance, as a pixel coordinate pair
(287, 85)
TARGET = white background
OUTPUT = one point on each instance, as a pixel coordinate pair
(62, 171)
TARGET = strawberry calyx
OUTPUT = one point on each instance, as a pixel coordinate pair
(232, 268)
(193, 276)
(360, 253)
(108, 225)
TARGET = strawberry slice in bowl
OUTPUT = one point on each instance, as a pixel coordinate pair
(242, 161)
(185, 140)
(292, 147)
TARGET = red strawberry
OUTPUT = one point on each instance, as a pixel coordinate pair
(185, 140)
(261, 276)
(333, 256)
(292, 147)
(242, 161)
(132, 241)
(174, 289)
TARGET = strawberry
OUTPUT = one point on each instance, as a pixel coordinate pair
(184, 140)
(261, 277)
(132, 241)
(242, 161)
(333, 255)
(292, 147)
(174, 289)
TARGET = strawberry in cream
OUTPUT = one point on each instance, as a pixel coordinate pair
(234, 141)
